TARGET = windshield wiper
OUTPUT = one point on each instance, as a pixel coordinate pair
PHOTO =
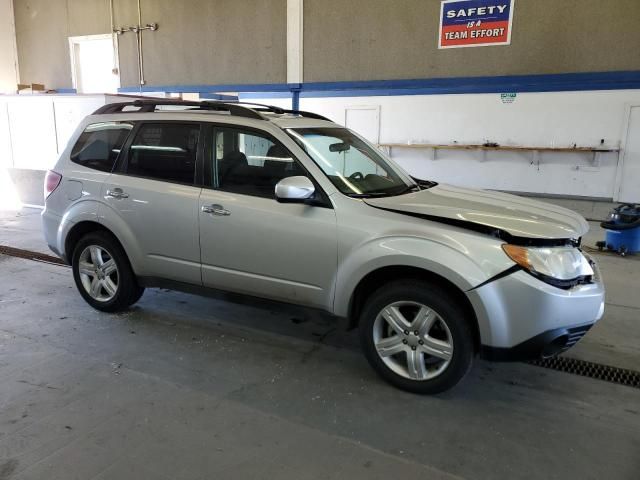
(408, 189)
(423, 184)
(368, 194)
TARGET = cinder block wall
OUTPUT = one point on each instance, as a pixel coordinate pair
(380, 40)
(8, 63)
(198, 42)
(244, 41)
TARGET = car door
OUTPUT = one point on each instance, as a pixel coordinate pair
(152, 200)
(251, 243)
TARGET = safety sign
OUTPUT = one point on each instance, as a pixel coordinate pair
(475, 23)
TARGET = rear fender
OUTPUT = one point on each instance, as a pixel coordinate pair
(81, 211)
(111, 220)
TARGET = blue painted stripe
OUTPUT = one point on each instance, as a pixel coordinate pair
(558, 82)
(254, 95)
(250, 87)
(433, 86)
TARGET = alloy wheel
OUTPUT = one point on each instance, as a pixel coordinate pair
(413, 340)
(98, 273)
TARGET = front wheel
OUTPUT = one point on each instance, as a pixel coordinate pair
(416, 336)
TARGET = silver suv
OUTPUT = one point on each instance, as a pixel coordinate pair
(291, 207)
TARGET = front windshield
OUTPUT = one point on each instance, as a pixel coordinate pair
(356, 168)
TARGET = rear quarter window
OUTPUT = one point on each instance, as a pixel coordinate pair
(99, 145)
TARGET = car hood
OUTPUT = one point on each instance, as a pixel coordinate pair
(518, 216)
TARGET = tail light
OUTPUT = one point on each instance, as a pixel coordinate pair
(51, 182)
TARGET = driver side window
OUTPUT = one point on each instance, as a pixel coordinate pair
(249, 163)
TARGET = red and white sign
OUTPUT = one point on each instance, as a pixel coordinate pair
(475, 23)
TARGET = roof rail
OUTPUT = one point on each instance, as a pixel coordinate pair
(302, 113)
(234, 108)
(150, 106)
(282, 111)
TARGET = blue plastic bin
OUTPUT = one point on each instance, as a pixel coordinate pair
(627, 240)
(623, 229)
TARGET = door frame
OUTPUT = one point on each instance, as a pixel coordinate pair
(74, 42)
(623, 149)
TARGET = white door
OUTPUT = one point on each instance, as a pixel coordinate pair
(630, 174)
(94, 64)
(365, 121)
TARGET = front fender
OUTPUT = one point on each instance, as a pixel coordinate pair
(457, 264)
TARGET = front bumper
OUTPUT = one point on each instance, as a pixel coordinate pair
(521, 317)
(544, 345)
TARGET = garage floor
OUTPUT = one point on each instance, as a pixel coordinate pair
(189, 387)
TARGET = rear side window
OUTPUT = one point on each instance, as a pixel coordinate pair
(165, 152)
(99, 145)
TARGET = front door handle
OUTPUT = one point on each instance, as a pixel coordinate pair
(216, 210)
(117, 193)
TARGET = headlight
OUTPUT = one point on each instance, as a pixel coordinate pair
(565, 264)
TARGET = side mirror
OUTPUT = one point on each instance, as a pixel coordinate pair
(294, 189)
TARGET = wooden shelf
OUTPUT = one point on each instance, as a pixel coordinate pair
(499, 147)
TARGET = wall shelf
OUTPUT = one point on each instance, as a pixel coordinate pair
(595, 151)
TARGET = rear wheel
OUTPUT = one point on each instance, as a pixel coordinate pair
(102, 273)
(416, 336)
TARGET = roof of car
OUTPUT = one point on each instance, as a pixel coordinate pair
(189, 110)
(297, 121)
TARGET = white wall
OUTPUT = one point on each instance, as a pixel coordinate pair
(557, 119)
(8, 55)
(34, 129)
(533, 120)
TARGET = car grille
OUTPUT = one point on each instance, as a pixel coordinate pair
(575, 334)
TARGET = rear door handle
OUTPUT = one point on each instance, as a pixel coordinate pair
(117, 193)
(216, 210)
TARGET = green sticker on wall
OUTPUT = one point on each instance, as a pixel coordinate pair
(508, 97)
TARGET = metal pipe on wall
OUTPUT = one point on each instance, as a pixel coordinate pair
(140, 57)
(137, 29)
(116, 60)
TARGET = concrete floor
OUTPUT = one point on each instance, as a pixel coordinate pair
(188, 387)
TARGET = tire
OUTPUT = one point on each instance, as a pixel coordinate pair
(115, 289)
(438, 350)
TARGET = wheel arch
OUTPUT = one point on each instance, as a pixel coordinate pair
(81, 229)
(383, 275)
(128, 291)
